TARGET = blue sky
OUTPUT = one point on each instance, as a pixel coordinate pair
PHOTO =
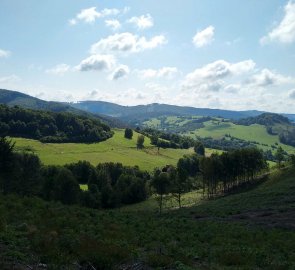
(220, 54)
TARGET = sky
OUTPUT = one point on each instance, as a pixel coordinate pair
(225, 54)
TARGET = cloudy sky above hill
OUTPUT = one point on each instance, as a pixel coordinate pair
(224, 54)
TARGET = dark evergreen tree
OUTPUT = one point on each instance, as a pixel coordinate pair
(128, 133)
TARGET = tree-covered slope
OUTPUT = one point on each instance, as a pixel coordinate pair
(50, 126)
(12, 98)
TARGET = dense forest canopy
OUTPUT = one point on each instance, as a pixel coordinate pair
(266, 119)
(51, 127)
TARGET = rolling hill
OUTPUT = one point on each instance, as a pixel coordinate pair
(112, 112)
(14, 98)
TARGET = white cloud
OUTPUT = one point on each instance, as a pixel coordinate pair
(204, 37)
(60, 69)
(120, 72)
(4, 54)
(113, 24)
(142, 22)
(284, 32)
(216, 71)
(127, 42)
(89, 15)
(267, 77)
(9, 79)
(97, 62)
(291, 94)
(164, 72)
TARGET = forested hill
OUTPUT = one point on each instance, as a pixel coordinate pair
(12, 98)
(50, 126)
(133, 114)
(266, 119)
(140, 112)
(116, 115)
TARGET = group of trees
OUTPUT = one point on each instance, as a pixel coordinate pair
(217, 174)
(109, 185)
(167, 140)
(288, 137)
(175, 180)
(51, 127)
(225, 172)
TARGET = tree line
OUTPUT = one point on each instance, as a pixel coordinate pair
(112, 184)
(217, 174)
(109, 185)
(167, 140)
(50, 126)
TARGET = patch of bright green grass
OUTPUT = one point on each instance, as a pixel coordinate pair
(255, 133)
(115, 149)
(84, 187)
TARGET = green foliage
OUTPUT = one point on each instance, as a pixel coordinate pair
(128, 133)
(140, 142)
(232, 169)
(209, 235)
(51, 127)
(279, 155)
(199, 149)
(266, 119)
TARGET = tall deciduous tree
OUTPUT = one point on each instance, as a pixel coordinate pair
(199, 149)
(161, 184)
(279, 155)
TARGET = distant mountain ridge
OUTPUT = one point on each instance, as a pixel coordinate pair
(140, 112)
(15, 98)
(114, 114)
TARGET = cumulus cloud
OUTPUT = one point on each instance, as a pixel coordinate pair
(97, 62)
(284, 32)
(164, 72)
(113, 24)
(60, 69)
(204, 37)
(89, 15)
(127, 42)
(142, 22)
(4, 54)
(216, 71)
(120, 72)
(291, 94)
(267, 77)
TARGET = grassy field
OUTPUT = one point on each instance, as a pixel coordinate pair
(115, 149)
(249, 230)
(218, 129)
(255, 133)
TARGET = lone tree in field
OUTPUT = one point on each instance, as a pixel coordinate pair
(279, 155)
(199, 149)
(140, 141)
(128, 133)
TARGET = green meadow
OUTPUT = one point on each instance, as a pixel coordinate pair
(254, 132)
(115, 149)
(217, 129)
